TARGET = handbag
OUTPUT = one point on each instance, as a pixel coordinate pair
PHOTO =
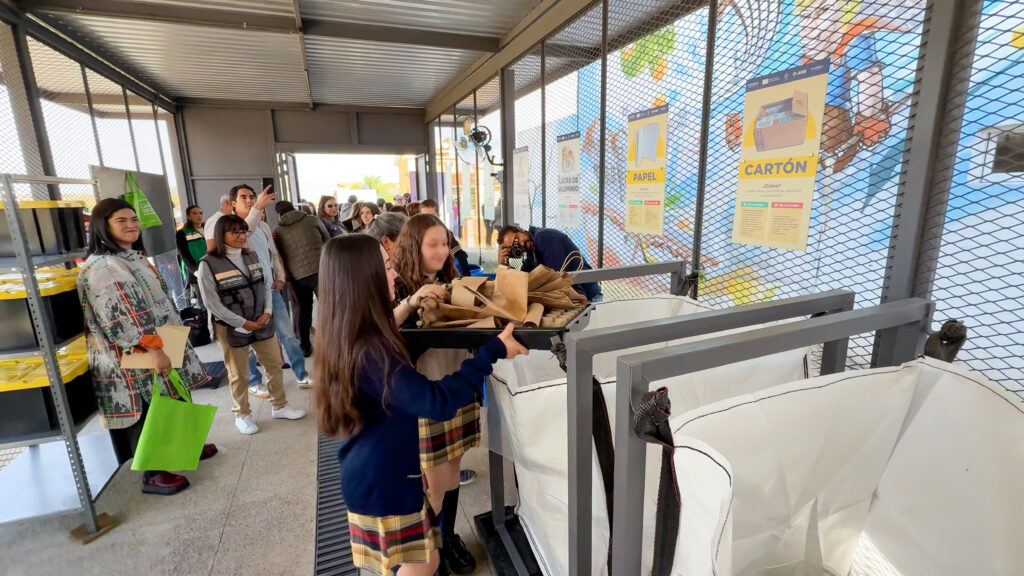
(148, 218)
(174, 431)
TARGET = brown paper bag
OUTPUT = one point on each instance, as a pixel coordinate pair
(540, 276)
(509, 300)
(533, 315)
(489, 322)
(461, 296)
(551, 300)
(454, 324)
(442, 312)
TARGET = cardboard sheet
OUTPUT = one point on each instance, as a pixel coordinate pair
(174, 337)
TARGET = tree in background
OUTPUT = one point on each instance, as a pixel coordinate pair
(384, 190)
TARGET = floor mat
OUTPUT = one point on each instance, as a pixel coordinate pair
(333, 554)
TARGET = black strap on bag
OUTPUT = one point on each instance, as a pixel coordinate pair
(651, 423)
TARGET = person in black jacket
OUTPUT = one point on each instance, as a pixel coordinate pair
(368, 392)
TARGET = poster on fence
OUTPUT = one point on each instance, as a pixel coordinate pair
(521, 185)
(569, 180)
(645, 171)
(782, 117)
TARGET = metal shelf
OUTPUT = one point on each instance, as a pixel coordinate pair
(33, 352)
(45, 437)
(43, 260)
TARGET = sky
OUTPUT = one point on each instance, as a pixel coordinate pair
(319, 174)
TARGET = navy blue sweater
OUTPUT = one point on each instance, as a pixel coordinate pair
(551, 248)
(380, 466)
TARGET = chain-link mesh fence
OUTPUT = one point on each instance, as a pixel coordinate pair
(976, 231)
(529, 141)
(19, 153)
(488, 168)
(65, 106)
(873, 48)
(116, 149)
(655, 59)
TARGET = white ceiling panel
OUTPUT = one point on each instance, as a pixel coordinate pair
(199, 61)
(476, 17)
(380, 73)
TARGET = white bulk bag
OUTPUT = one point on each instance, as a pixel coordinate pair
(915, 469)
(528, 396)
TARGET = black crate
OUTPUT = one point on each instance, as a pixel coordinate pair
(16, 331)
(35, 244)
(29, 413)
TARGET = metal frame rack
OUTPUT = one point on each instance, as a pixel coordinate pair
(44, 329)
(499, 521)
(581, 349)
(636, 372)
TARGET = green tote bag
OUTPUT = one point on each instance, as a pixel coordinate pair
(174, 432)
(148, 217)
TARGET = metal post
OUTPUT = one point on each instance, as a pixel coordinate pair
(92, 117)
(705, 127)
(630, 455)
(508, 143)
(131, 129)
(35, 107)
(579, 365)
(543, 137)
(159, 142)
(431, 168)
(458, 178)
(477, 209)
(602, 138)
(932, 123)
(43, 324)
(186, 160)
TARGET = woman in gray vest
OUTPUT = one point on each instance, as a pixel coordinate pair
(238, 297)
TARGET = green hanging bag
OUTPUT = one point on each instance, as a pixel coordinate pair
(148, 218)
(174, 432)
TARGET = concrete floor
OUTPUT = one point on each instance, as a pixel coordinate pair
(250, 510)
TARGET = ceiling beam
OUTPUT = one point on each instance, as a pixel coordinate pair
(232, 19)
(379, 33)
(195, 15)
(297, 106)
(302, 51)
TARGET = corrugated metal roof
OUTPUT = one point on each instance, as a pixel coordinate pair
(273, 7)
(380, 73)
(477, 17)
(200, 61)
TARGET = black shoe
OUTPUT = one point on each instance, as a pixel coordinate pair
(307, 351)
(457, 557)
(442, 568)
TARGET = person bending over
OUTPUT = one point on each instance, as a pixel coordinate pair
(544, 246)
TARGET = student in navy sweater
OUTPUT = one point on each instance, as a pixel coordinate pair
(368, 392)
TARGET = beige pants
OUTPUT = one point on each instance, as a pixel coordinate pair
(268, 352)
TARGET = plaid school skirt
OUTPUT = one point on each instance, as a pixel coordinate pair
(381, 543)
(441, 442)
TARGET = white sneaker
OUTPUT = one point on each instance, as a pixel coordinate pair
(259, 391)
(305, 383)
(246, 425)
(288, 413)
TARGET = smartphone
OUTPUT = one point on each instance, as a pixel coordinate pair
(268, 182)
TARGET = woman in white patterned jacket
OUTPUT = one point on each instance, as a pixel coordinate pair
(124, 301)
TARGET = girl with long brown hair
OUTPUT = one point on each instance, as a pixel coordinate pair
(423, 261)
(368, 393)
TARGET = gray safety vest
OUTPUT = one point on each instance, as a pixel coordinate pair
(242, 294)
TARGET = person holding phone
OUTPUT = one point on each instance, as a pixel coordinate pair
(266, 198)
(240, 300)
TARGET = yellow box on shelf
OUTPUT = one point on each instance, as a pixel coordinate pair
(29, 372)
(51, 281)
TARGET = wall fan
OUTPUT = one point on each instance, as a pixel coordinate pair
(474, 144)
